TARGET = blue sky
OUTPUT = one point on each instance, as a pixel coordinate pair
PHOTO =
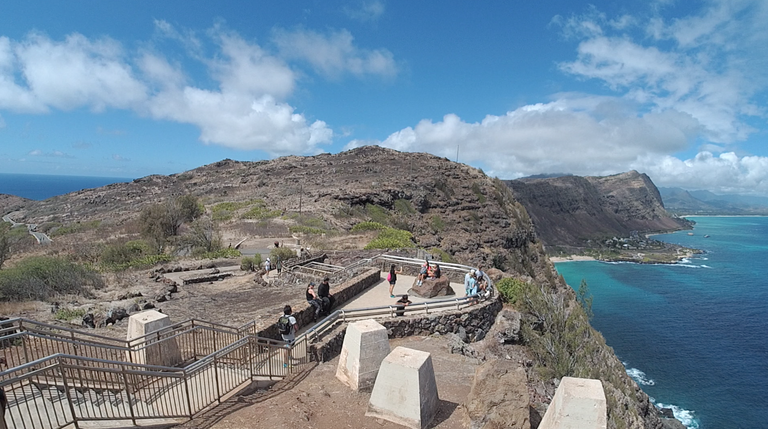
(674, 89)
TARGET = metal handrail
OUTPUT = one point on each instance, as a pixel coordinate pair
(221, 369)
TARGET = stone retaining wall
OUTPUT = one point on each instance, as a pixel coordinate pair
(305, 314)
(476, 321)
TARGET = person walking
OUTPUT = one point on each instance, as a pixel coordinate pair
(392, 279)
(287, 326)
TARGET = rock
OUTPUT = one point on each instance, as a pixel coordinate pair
(463, 334)
(88, 320)
(116, 314)
(148, 306)
(173, 289)
(130, 295)
(432, 288)
(498, 398)
(507, 327)
(161, 298)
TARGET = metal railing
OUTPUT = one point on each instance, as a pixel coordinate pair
(58, 376)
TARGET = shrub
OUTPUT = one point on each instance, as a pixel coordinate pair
(66, 314)
(250, 263)
(260, 212)
(438, 224)
(377, 213)
(368, 226)
(305, 230)
(41, 278)
(478, 193)
(511, 289)
(283, 253)
(392, 238)
(404, 206)
(117, 254)
(441, 255)
(75, 228)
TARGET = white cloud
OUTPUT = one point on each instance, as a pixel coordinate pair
(119, 158)
(724, 173)
(334, 54)
(366, 10)
(78, 72)
(247, 111)
(581, 136)
(713, 70)
(55, 154)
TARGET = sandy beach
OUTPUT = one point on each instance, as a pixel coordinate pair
(571, 258)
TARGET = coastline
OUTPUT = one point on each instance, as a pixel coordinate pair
(571, 258)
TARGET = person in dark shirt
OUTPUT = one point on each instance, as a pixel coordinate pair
(324, 292)
(401, 303)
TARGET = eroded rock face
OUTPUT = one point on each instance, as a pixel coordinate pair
(566, 210)
(499, 397)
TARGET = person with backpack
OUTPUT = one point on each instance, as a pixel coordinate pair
(392, 279)
(287, 326)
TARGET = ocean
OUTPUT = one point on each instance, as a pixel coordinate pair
(40, 187)
(693, 335)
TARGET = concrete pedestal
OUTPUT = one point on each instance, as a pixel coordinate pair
(405, 391)
(366, 344)
(164, 353)
(579, 403)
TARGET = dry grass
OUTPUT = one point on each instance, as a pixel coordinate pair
(14, 309)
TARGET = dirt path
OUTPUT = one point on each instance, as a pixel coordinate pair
(317, 400)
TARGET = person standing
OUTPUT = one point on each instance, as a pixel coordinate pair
(279, 264)
(267, 266)
(288, 327)
(401, 303)
(468, 282)
(392, 279)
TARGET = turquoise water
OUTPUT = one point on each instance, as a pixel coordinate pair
(40, 187)
(693, 335)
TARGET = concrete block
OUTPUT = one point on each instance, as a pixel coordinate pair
(579, 403)
(142, 326)
(366, 344)
(405, 391)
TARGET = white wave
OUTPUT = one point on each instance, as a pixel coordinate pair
(685, 416)
(705, 266)
(640, 377)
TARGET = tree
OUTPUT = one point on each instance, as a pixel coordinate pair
(585, 298)
(203, 235)
(161, 222)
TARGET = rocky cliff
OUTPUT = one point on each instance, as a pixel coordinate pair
(570, 210)
(447, 206)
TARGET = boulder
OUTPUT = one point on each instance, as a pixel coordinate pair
(88, 320)
(432, 288)
(115, 315)
(498, 398)
(506, 328)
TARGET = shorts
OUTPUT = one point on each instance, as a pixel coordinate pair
(472, 291)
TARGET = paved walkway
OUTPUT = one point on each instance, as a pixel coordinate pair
(378, 294)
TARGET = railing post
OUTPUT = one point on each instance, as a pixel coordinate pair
(189, 397)
(66, 391)
(216, 375)
(128, 394)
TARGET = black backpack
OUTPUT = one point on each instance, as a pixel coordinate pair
(284, 325)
